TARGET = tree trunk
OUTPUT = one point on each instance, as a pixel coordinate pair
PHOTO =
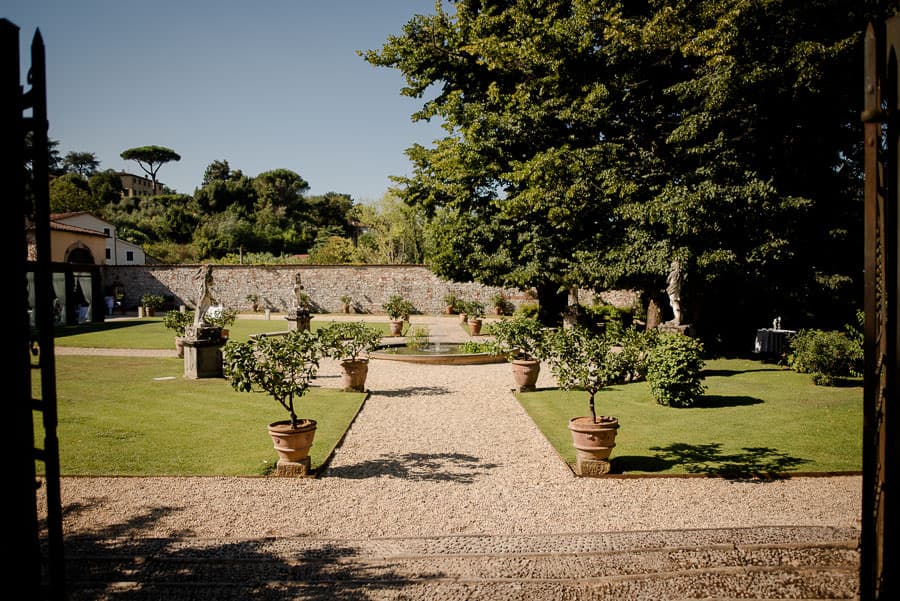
(552, 304)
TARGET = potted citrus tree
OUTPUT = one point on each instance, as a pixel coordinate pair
(152, 302)
(282, 366)
(348, 341)
(584, 360)
(346, 302)
(475, 313)
(522, 341)
(398, 310)
(178, 321)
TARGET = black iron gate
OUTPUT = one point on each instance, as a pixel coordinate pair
(882, 261)
(35, 559)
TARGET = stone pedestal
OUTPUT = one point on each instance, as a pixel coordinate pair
(298, 319)
(671, 328)
(591, 467)
(293, 469)
(202, 359)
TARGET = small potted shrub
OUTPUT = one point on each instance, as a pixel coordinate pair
(475, 314)
(500, 304)
(522, 341)
(398, 309)
(582, 360)
(451, 304)
(347, 341)
(253, 299)
(347, 302)
(178, 321)
(282, 366)
(222, 319)
(152, 302)
(827, 356)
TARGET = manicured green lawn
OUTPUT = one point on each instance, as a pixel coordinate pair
(755, 419)
(140, 417)
(150, 333)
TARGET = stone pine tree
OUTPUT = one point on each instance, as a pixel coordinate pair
(151, 158)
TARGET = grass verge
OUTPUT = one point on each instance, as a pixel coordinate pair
(125, 416)
(756, 419)
(150, 333)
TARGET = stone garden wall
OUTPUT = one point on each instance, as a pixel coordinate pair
(369, 286)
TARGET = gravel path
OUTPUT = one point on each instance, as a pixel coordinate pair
(442, 450)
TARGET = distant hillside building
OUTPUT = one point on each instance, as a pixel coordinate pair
(138, 185)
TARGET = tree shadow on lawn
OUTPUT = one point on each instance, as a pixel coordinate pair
(437, 467)
(178, 567)
(724, 373)
(717, 401)
(750, 464)
(62, 331)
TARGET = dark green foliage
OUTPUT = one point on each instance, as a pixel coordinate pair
(581, 359)
(150, 158)
(398, 307)
(71, 192)
(591, 142)
(348, 339)
(178, 321)
(282, 366)
(674, 370)
(519, 338)
(527, 310)
(828, 356)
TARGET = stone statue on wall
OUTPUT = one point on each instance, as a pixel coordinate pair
(673, 289)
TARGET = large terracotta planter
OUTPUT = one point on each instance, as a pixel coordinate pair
(353, 374)
(525, 373)
(593, 443)
(396, 327)
(291, 444)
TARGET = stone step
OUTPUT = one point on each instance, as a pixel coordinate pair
(762, 563)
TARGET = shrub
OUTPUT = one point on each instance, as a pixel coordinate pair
(348, 339)
(527, 310)
(827, 356)
(221, 319)
(581, 359)
(398, 308)
(177, 321)
(417, 338)
(473, 347)
(518, 338)
(673, 370)
(634, 345)
(154, 301)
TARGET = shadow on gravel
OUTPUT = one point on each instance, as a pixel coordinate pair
(119, 564)
(751, 463)
(439, 467)
(414, 391)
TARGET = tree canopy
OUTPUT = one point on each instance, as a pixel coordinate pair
(591, 142)
(151, 158)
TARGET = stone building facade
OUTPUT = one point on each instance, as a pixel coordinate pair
(368, 285)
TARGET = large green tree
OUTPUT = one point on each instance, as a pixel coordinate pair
(84, 164)
(151, 158)
(592, 142)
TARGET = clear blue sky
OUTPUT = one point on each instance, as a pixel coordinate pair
(263, 85)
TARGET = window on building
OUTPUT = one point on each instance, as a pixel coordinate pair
(129, 256)
(108, 254)
(106, 233)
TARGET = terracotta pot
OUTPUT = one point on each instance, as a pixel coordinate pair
(293, 444)
(593, 442)
(179, 346)
(475, 326)
(396, 327)
(353, 374)
(525, 373)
